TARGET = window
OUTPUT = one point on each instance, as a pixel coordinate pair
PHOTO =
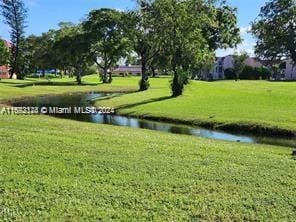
(220, 69)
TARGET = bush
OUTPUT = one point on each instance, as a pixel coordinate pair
(180, 79)
(265, 73)
(230, 74)
(90, 70)
(249, 73)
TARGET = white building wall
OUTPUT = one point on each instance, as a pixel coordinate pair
(220, 66)
(290, 72)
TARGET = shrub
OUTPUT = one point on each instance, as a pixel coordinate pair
(180, 79)
(90, 70)
(249, 73)
(230, 74)
(265, 73)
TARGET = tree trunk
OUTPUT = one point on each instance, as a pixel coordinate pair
(13, 56)
(17, 70)
(153, 72)
(105, 75)
(144, 85)
(78, 77)
(177, 84)
(110, 77)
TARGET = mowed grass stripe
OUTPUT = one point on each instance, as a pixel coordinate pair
(70, 170)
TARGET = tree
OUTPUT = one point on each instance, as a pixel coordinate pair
(204, 64)
(39, 51)
(15, 13)
(132, 59)
(74, 48)
(141, 32)
(181, 38)
(63, 59)
(189, 29)
(239, 63)
(4, 53)
(31, 49)
(221, 30)
(104, 29)
(275, 30)
(230, 74)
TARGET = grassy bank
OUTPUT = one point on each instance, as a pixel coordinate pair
(67, 170)
(255, 106)
(30, 87)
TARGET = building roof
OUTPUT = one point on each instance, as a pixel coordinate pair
(250, 61)
(128, 69)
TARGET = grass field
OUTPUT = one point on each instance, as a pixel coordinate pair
(65, 170)
(247, 105)
(21, 88)
(54, 169)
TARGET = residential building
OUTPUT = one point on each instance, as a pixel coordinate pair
(4, 72)
(289, 72)
(125, 70)
(221, 64)
(226, 62)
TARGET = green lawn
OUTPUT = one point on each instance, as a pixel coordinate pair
(251, 105)
(21, 88)
(67, 170)
(54, 169)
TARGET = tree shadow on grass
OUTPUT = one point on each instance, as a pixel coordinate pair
(56, 84)
(9, 83)
(128, 106)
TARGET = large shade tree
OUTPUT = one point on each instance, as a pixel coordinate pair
(140, 27)
(15, 14)
(239, 63)
(62, 45)
(188, 29)
(39, 51)
(275, 30)
(105, 32)
(74, 48)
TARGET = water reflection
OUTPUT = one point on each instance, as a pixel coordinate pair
(86, 99)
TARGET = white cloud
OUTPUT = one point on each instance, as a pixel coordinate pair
(247, 44)
(119, 9)
(245, 30)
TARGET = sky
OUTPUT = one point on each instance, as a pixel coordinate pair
(46, 14)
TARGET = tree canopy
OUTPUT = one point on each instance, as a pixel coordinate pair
(178, 36)
(105, 33)
(4, 53)
(190, 31)
(275, 30)
(239, 63)
(15, 14)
